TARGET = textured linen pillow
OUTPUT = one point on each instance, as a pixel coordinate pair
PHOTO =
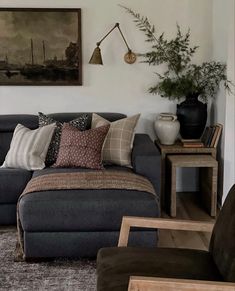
(118, 144)
(81, 148)
(80, 123)
(28, 147)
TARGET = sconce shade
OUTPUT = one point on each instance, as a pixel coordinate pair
(96, 58)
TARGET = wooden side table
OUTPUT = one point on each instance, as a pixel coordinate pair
(177, 149)
(208, 179)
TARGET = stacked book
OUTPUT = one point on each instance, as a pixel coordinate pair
(210, 138)
(192, 143)
(211, 135)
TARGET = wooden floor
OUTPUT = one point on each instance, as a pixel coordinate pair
(188, 207)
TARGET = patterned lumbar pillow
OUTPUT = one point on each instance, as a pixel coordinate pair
(80, 123)
(28, 147)
(81, 148)
(118, 144)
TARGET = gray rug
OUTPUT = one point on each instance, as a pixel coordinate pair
(54, 275)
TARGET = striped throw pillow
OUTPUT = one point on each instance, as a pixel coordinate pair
(28, 147)
(118, 144)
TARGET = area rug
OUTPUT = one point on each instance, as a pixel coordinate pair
(61, 274)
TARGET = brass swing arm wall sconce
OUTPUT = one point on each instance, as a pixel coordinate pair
(96, 58)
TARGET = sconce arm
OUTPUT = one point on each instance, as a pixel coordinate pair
(123, 38)
(115, 26)
(99, 42)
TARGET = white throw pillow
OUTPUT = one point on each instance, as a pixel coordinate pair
(28, 147)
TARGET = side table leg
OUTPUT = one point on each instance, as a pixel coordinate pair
(208, 189)
(214, 191)
(173, 191)
(163, 180)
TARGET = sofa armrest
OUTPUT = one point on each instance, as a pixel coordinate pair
(160, 223)
(170, 284)
(146, 160)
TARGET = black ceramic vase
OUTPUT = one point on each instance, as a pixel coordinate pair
(192, 115)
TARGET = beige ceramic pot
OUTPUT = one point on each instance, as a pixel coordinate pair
(167, 128)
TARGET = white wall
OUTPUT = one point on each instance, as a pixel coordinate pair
(224, 105)
(116, 86)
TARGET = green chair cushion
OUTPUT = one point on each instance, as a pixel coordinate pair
(116, 265)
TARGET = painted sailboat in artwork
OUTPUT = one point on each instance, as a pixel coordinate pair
(53, 69)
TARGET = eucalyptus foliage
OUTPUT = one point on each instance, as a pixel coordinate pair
(181, 78)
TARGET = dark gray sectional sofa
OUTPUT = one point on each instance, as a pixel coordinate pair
(76, 223)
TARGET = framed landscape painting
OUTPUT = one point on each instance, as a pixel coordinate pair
(40, 46)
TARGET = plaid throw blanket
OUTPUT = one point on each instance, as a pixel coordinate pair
(79, 180)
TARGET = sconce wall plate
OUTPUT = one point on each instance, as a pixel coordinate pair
(130, 57)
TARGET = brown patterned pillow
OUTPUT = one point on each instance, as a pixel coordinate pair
(80, 123)
(81, 148)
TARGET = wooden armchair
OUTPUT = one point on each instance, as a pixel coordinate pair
(125, 268)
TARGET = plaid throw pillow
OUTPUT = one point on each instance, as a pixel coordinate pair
(79, 123)
(118, 144)
(81, 148)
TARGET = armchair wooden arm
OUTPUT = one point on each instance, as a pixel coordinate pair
(168, 284)
(159, 223)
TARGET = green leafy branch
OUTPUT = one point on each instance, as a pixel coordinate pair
(181, 78)
(143, 24)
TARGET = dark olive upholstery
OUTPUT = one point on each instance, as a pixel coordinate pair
(116, 265)
(222, 245)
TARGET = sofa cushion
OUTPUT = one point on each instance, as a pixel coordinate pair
(12, 184)
(116, 265)
(8, 122)
(66, 117)
(83, 210)
(5, 141)
(48, 170)
(7, 126)
(79, 244)
(7, 214)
